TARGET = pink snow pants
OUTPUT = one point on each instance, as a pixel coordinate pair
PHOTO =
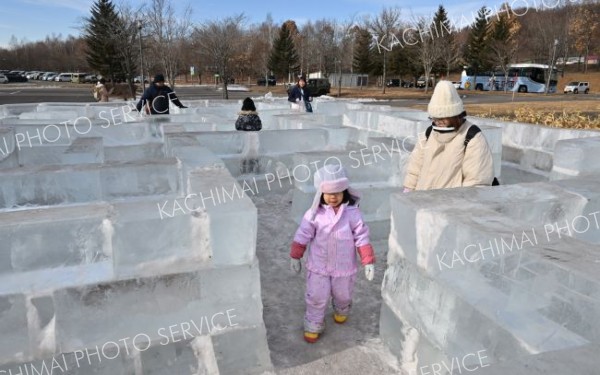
(319, 289)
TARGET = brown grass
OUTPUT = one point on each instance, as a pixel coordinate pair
(576, 115)
(580, 114)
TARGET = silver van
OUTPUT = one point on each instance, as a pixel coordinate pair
(64, 77)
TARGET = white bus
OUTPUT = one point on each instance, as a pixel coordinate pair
(521, 78)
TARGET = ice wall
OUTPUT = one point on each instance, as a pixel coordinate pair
(528, 150)
(512, 271)
(118, 253)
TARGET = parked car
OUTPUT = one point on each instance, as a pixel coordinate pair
(318, 86)
(138, 79)
(78, 77)
(262, 82)
(576, 87)
(49, 76)
(421, 82)
(393, 83)
(90, 78)
(3, 78)
(15, 77)
(36, 75)
(64, 77)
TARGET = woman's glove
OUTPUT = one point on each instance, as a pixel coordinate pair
(296, 265)
(369, 271)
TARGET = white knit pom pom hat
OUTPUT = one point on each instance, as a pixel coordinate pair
(445, 101)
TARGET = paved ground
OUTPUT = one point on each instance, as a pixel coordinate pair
(36, 92)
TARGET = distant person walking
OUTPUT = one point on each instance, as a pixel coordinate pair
(248, 121)
(299, 97)
(454, 152)
(100, 91)
(156, 98)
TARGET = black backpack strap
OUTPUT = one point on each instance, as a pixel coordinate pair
(428, 132)
(472, 132)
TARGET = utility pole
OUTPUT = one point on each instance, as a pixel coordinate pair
(550, 68)
(139, 26)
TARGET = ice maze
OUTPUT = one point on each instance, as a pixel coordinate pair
(129, 242)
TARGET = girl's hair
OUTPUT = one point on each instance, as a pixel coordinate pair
(346, 199)
(248, 105)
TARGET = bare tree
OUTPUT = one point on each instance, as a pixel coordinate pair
(429, 48)
(168, 34)
(504, 37)
(344, 40)
(126, 36)
(261, 42)
(546, 34)
(384, 28)
(219, 41)
(445, 33)
(309, 52)
(583, 27)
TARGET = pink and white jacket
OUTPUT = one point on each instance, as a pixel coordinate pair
(334, 240)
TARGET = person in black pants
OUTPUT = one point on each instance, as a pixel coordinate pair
(155, 100)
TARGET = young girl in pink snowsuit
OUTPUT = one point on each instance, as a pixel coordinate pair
(335, 229)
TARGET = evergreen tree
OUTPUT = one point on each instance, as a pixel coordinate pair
(477, 52)
(362, 51)
(405, 61)
(284, 59)
(99, 35)
(444, 32)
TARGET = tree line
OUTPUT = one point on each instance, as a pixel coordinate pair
(117, 41)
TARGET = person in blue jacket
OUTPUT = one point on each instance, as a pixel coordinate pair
(155, 100)
(299, 96)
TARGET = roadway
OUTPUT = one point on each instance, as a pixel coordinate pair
(38, 92)
(477, 97)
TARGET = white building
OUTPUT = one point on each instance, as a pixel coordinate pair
(348, 79)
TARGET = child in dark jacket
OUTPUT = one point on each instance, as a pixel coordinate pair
(248, 119)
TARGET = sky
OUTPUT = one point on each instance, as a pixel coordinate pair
(33, 20)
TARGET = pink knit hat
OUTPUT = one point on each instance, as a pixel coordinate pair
(330, 179)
